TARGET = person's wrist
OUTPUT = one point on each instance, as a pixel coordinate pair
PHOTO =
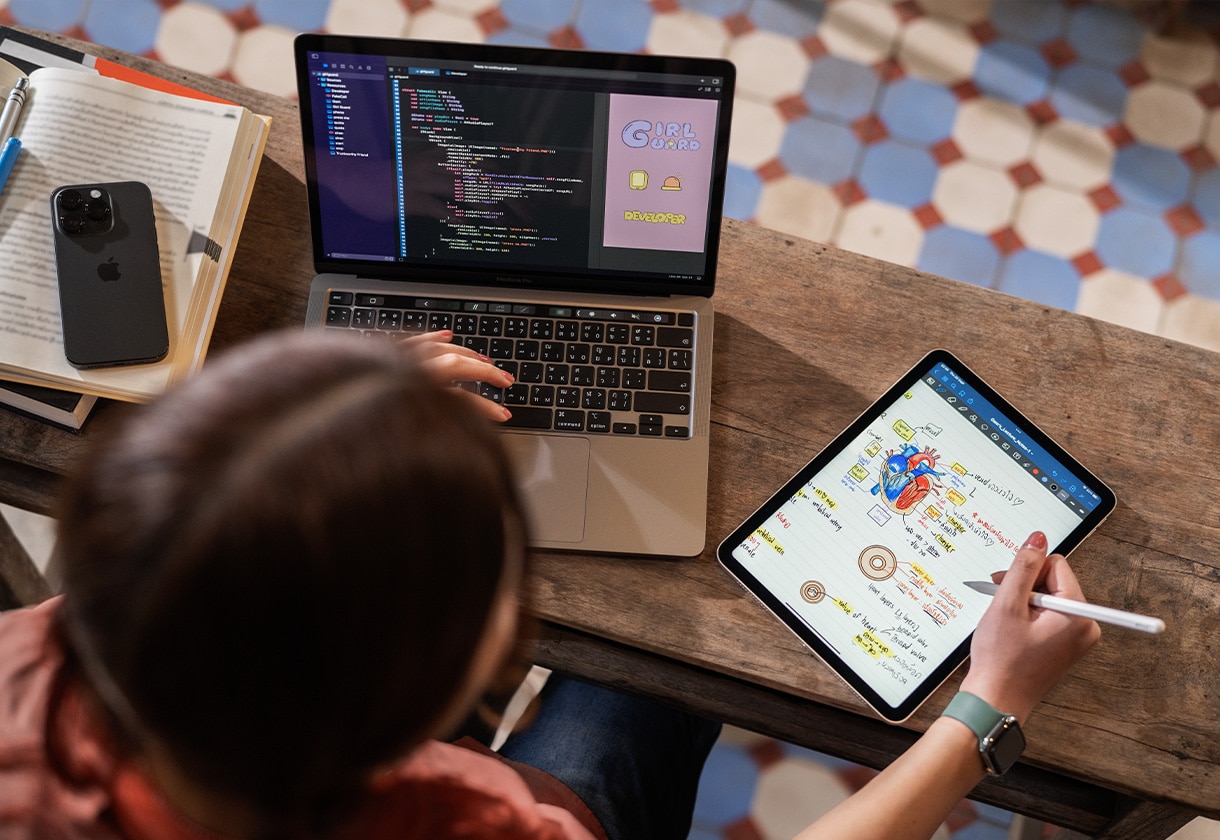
(999, 739)
(997, 697)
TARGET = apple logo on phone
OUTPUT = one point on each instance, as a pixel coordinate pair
(108, 271)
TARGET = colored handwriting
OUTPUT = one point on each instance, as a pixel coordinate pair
(903, 430)
(766, 537)
(998, 489)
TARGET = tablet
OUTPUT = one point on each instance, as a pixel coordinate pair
(865, 552)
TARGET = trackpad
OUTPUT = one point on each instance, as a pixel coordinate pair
(553, 477)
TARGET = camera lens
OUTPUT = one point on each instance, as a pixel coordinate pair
(97, 210)
(72, 223)
(70, 199)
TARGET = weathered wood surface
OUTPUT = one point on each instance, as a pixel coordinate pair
(806, 337)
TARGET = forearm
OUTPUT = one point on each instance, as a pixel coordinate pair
(914, 795)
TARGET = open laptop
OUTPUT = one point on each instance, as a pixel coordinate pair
(558, 210)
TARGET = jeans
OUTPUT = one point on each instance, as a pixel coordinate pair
(634, 762)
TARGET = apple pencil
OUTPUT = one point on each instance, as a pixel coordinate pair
(1108, 615)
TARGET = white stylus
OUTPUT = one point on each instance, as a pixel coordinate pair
(1108, 615)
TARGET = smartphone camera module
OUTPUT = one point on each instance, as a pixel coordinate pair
(84, 213)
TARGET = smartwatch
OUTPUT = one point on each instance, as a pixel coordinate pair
(1000, 738)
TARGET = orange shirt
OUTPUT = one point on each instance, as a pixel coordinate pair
(439, 791)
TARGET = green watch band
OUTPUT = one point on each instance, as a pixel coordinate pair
(1001, 741)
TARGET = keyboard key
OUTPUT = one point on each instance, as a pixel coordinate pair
(677, 432)
(531, 372)
(364, 318)
(340, 298)
(669, 380)
(338, 316)
(556, 375)
(618, 333)
(636, 378)
(593, 398)
(415, 321)
(568, 420)
(680, 359)
(597, 421)
(653, 357)
(578, 354)
(603, 354)
(526, 350)
(501, 348)
(466, 324)
(516, 327)
(619, 401)
(643, 335)
(582, 375)
(608, 377)
(542, 330)
(439, 321)
(591, 333)
(542, 395)
(389, 319)
(478, 345)
(567, 330)
(623, 428)
(529, 418)
(566, 398)
(659, 403)
(491, 326)
(552, 351)
(629, 357)
(517, 394)
(675, 337)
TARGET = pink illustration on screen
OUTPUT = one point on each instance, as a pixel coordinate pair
(658, 172)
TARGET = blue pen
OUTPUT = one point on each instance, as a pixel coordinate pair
(8, 158)
(8, 121)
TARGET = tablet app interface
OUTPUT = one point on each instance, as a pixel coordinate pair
(872, 554)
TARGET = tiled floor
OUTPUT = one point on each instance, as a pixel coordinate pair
(1060, 150)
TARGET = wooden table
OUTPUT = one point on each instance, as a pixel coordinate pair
(806, 337)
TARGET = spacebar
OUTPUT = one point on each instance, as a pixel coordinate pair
(529, 418)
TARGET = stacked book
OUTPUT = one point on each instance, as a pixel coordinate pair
(87, 120)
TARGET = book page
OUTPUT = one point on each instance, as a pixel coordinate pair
(78, 127)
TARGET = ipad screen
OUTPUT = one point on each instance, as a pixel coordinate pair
(865, 552)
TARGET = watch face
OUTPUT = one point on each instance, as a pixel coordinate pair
(1005, 744)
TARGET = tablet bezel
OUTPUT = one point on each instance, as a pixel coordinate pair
(921, 692)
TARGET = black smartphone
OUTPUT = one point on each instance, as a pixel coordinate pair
(111, 301)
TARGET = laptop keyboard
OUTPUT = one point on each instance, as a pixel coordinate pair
(606, 371)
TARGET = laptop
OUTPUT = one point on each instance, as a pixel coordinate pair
(558, 210)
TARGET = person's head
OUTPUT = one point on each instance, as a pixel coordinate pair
(280, 572)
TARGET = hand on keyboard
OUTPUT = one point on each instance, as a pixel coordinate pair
(452, 363)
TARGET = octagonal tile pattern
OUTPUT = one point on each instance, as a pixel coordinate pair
(1060, 150)
(980, 139)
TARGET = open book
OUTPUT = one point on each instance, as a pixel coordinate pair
(199, 158)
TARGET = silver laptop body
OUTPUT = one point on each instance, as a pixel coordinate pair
(564, 205)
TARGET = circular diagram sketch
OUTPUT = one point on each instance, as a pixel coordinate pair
(878, 562)
(813, 591)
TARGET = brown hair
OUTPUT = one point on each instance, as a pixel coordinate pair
(284, 565)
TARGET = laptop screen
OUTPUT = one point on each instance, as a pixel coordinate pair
(558, 169)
